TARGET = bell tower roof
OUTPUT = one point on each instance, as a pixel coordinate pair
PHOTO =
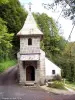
(30, 27)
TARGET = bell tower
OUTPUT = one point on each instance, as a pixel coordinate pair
(30, 37)
(29, 55)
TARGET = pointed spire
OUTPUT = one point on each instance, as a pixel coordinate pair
(30, 26)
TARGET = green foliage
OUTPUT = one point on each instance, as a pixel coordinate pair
(51, 42)
(67, 62)
(6, 64)
(70, 84)
(14, 14)
(12, 17)
(4, 1)
(5, 40)
(57, 85)
(70, 55)
(56, 47)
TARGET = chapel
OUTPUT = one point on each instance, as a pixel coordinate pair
(30, 58)
(32, 63)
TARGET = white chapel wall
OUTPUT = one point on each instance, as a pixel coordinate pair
(49, 66)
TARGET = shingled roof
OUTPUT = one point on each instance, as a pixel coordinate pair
(30, 27)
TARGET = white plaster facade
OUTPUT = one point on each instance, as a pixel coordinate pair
(49, 67)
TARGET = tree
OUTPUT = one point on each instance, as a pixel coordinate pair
(67, 62)
(51, 39)
(56, 47)
(14, 14)
(5, 41)
(68, 11)
(3, 1)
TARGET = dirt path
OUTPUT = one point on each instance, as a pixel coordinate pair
(10, 90)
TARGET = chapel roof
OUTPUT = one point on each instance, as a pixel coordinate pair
(30, 27)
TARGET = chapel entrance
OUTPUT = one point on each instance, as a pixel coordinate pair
(30, 73)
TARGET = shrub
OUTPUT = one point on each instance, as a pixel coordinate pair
(56, 84)
(57, 77)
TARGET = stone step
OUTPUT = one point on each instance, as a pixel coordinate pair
(30, 83)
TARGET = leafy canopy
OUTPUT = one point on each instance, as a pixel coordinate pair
(5, 40)
(51, 39)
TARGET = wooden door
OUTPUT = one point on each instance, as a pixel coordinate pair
(30, 73)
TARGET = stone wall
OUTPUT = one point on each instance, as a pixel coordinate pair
(42, 67)
(27, 49)
(39, 69)
(22, 71)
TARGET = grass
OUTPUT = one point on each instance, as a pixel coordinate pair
(6, 64)
(61, 85)
(70, 85)
(57, 85)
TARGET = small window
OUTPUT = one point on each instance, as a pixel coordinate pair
(29, 41)
(53, 71)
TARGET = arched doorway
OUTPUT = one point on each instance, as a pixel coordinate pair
(30, 73)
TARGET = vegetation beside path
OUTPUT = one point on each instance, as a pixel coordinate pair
(62, 85)
(70, 85)
(6, 64)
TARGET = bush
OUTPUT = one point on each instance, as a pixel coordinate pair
(56, 84)
(57, 77)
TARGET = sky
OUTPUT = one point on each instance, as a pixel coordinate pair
(65, 23)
